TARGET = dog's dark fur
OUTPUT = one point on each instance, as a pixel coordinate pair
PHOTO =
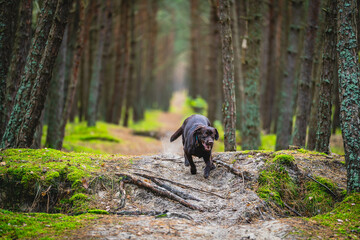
(198, 138)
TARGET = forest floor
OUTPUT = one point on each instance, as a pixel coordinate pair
(227, 205)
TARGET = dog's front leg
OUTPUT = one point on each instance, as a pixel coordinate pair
(188, 158)
(209, 166)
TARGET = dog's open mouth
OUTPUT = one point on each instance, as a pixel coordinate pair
(207, 146)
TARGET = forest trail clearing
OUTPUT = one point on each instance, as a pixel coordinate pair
(229, 206)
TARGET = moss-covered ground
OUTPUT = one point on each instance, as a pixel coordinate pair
(40, 225)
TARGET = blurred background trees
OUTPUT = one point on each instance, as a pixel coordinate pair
(119, 59)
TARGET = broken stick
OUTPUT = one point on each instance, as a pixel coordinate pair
(162, 192)
(173, 190)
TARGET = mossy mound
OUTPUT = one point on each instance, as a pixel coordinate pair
(290, 191)
(45, 179)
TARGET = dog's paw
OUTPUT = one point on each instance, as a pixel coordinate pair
(212, 167)
(206, 174)
(193, 171)
(187, 163)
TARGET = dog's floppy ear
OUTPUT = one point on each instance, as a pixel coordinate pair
(216, 134)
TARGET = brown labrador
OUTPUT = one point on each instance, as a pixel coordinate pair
(198, 140)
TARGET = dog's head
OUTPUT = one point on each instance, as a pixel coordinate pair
(205, 136)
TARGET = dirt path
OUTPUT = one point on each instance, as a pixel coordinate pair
(231, 208)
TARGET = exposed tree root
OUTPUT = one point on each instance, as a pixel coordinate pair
(157, 214)
(173, 190)
(128, 178)
(179, 184)
(233, 170)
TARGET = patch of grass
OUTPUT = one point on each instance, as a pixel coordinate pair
(149, 123)
(98, 211)
(268, 142)
(40, 225)
(344, 218)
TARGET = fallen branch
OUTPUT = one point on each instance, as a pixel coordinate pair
(232, 169)
(173, 190)
(291, 209)
(334, 195)
(179, 184)
(123, 195)
(162, 192)
(139, 213)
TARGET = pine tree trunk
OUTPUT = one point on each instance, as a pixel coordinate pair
(304, 97)
(229, 107)
(251, 126)
(284, 124)
(32, 92)
(194, 50)
(19, 52)
(349, 91)
(213, 61)
(94, 88)
(130, 86)
(8, 21)
(327, 80)
(56, 96)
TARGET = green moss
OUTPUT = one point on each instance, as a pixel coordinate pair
(317, 198)
(268, 142)
(98, 211)
(276, 185)
(344, 218)
(79, 203)
(149, 123)
(40, 225)
(284, 159)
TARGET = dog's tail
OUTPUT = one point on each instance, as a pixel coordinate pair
(176, 134)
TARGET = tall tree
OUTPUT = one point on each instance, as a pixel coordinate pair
(19, 52)
(304, 95)
(30, 98)
(194, 49)
(284, 123)
(251, 126)
(213, 61)
(229, 107)
(349, 91)
(327, 80)
(8, 17)
(94, 88)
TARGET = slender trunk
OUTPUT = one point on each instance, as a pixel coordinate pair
(56, 97)
(348, 73)
(304, 97)
(96, 69)
(229, 108)
(194, 50)
(32, 92)
(251, 126)
(213, 62)
(284, 125)
(328, 78)
(130, 87)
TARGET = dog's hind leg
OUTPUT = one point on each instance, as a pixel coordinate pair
(188, 158)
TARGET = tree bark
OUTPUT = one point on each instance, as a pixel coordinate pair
(328, 78)
(251, 126)
(349, 91)
(229, 107)
(32, 92)
(94, 88)
(194, 50)
(19, 52)
(8, 21)
(284, 124)
(304, 97)
(213, 61)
